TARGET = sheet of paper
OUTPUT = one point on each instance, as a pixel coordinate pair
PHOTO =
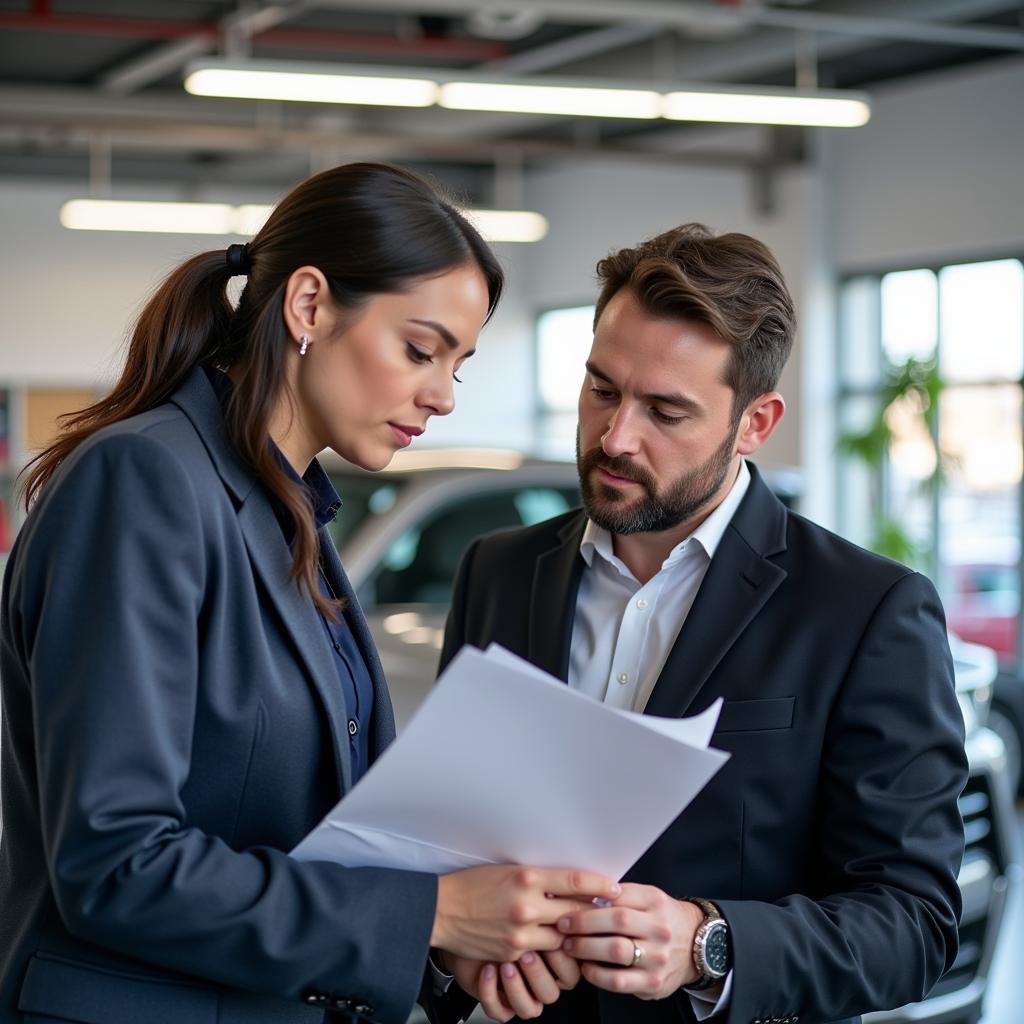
(696, 730)
(504, 764)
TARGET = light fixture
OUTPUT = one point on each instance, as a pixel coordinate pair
(274, 83)
(808, 108)
(509, 225)
(573, 101)
(247, 219)
(460, 90)
(132, 215)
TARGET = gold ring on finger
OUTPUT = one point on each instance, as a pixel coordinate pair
(638, 954)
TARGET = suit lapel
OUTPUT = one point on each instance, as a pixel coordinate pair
(272, 561)
(382, 729)
(556, 582)
(739, 582)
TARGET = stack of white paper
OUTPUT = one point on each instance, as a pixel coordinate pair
(505, 764)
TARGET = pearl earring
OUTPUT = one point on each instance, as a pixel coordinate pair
(305, 345)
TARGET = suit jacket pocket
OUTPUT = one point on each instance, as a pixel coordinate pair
(756, 715)
(75, 991)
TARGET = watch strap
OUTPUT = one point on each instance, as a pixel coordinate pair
(709, 909)
(711, 913)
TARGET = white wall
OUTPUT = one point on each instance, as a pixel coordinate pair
(936, 173)
(68, 296)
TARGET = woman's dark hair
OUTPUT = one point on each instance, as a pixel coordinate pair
(731, 282)
(370, 228)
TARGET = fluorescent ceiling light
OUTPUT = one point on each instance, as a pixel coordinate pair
(573, 101)
(124, 215)
(565, 97)
(509, 225)
(809, 109)
(317, 87)
(251, 217)
(246, 220)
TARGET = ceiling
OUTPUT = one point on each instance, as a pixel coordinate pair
(94, 90)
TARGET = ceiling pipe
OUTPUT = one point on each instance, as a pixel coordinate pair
(754, 56)
(683, 14)
(577, 47)
(135, 140)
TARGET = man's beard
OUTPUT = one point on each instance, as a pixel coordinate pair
(654, 512)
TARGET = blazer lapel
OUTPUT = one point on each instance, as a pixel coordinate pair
(382, 729)
(271, 560)
(556, 582)
(739, 582)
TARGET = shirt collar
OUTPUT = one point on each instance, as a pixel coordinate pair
(315, 480)
(708, 535)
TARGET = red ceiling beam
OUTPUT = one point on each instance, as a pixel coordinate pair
(41, 19)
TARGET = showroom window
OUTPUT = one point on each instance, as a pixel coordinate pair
(930, 417)
(563, 342)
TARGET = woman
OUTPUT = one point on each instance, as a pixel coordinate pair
(188, 683)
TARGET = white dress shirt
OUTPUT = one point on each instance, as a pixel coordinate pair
(624, 630)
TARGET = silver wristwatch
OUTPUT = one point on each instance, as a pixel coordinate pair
(711, 953)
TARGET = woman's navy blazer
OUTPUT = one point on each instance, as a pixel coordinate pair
(173, 724)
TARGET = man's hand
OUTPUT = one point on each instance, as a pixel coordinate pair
(520, 989)
(662, 927)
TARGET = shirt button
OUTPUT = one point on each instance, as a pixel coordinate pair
(353, 727)
(623, 677)
(641, 604)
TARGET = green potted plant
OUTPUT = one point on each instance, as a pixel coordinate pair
(911, 389)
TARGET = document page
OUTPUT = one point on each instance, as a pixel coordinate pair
(505, 764)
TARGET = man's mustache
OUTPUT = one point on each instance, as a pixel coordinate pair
(618, 465)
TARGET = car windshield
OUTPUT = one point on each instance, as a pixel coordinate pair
(362, 497)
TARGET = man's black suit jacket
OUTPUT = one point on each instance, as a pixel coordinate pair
(831, 840)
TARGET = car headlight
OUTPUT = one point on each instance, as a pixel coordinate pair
(975, 668)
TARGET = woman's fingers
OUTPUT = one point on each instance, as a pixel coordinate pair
(539, 979)
(517, 995)
(566, 969)
(490, 999)
(499, 912)
(580, 886)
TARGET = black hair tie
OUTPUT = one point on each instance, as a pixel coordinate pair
(237, 257)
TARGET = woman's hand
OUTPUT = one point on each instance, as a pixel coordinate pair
(499, 912)
(519, 989)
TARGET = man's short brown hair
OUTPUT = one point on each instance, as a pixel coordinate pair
(730, 282)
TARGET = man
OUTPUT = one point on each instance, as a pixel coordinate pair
(814, 878)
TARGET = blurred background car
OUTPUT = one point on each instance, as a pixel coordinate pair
(982, 605)
(402, 532)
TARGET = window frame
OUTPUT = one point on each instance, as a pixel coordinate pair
(846, 393)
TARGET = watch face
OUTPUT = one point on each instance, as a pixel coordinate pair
(716, 951)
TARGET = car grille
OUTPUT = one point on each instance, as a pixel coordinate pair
(982, 864)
